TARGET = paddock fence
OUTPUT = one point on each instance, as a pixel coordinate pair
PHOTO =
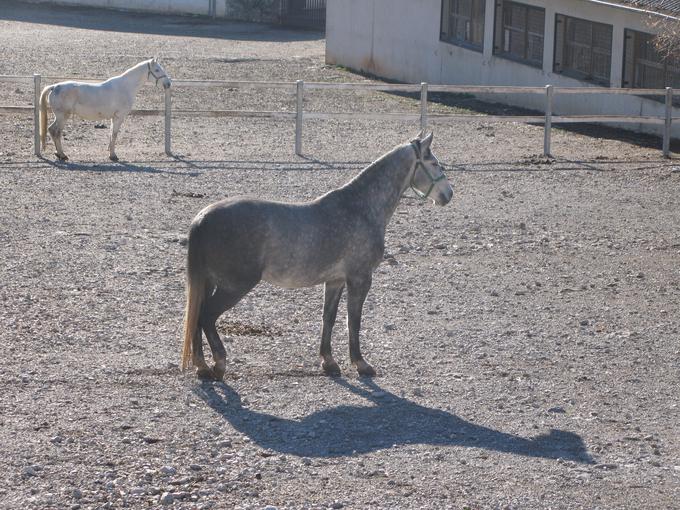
(424, 117)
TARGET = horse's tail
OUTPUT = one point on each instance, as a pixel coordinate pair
(43, 114)
(196, 283)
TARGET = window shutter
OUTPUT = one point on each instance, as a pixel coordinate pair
(498, 29)
(445, 14)
(628, 79)
(560, 27)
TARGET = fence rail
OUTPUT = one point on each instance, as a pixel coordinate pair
(299, 87)
(235, 84)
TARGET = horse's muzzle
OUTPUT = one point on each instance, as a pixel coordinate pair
(443, 197)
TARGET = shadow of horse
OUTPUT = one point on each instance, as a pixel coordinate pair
(118, 166)
(307, 165)
(391, 420)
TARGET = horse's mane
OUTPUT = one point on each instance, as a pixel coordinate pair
(375, 169)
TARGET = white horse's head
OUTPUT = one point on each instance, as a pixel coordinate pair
(428, 180)
(156, 71)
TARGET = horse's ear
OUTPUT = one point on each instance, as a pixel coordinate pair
(425, 142)
(421, 134)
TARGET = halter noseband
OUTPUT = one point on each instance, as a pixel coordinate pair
(433, 180)
(148, 64)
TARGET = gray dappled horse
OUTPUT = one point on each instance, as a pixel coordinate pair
(337, 239)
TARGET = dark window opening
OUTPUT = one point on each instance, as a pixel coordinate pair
(583, 49)
(644, 67)
(519, 32)
(462, 23)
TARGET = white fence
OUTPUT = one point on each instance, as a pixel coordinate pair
(424, 117)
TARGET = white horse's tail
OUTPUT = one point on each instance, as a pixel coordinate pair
(43, 114)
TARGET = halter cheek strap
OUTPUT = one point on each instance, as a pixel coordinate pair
(148, 64)
(421, 164)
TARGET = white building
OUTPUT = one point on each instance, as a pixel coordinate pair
(516, 43)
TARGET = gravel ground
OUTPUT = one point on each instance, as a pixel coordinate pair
(526, 335)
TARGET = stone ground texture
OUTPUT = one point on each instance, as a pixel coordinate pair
(525, 336)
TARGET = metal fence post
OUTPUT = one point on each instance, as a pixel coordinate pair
(423, 106)
(547, 126)
(300, 85)
(667, 124)
(37, 82)
(168, 120)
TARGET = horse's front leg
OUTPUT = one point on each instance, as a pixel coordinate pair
(332, 294)
(116, 122)
(357, 290)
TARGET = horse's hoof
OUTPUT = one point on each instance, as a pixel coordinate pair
(113, 158)
(218, 373)
(61, 157)
(331, 369)
(364, 369)
(205, 373)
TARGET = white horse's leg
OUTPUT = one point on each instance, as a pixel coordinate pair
(56, 129)
(116, 122)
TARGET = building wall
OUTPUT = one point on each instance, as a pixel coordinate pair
(399, 39)
(247, 10)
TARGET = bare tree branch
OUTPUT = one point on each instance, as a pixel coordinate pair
(667, 39)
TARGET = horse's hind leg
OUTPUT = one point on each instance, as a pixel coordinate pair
(332, 295)
(56, 129)
(116, 122)
(215, 305)
(197, 358)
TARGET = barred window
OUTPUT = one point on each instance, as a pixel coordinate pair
(463, 23)
(583, 49)
(519, 32)
(644, 67)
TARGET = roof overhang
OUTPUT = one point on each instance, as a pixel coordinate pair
(634, 6)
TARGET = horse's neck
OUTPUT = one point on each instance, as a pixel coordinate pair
(380, 186)
(136, 75)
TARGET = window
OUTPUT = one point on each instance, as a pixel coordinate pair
(644, 67)
(463, 23)
(519, 32)
(583, 49)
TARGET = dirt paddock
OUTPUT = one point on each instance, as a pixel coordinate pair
(525, 336)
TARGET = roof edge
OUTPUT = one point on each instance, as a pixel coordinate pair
(629, 7)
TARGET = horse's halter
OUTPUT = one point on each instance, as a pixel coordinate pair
(433, 180)
(148, 64)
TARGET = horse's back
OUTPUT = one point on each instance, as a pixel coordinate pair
(247, 223)
(272, 222)
(291, 245)
(91, 101)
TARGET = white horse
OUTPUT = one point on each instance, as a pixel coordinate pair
(111, 99)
